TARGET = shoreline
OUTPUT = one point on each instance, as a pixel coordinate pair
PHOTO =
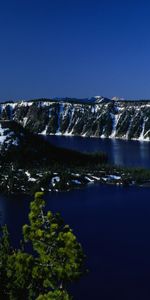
(95, 137)
(28, 181)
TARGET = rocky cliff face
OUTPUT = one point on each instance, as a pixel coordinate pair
(103, 118)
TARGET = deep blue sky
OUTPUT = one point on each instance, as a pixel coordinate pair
(75, 48)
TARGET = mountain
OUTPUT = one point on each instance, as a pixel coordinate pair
(29, 163)
(94, 117)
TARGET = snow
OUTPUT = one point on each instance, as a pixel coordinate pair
(76, 181)
(2, 135)
(39, 174)
(29, 176)
(141, 137)
(99, 99)
(75, 174)
(95, 177)
(104, 178)
(111, 177)
(89, 179)
(129, 127)
(27, 173)
(32, 179)
(10, 105)
(24, 103)
(116, 98)
(2, 139)
(115, 177)
(54, 180)
(115, 119)
(25, 119)
(15, 142)
(94, 111)
(6, 136)
(44, 131)
(60, 114)
(50, 111)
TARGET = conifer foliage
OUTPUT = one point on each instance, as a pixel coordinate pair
(56, 258)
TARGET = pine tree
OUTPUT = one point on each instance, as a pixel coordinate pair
(55, 261)
(5, 251)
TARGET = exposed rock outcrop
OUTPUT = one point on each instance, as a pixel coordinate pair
(100, 118)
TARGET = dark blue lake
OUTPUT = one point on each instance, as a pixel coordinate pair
(113, 225)
(120, 152)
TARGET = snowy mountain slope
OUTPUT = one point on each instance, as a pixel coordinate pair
(7, 137)
(100, 117)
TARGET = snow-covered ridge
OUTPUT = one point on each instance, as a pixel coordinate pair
(99, 118)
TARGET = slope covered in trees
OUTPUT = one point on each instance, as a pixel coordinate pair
(25, 148)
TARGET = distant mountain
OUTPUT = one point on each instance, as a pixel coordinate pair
(99, 99)
(94, 99)
(60, 99)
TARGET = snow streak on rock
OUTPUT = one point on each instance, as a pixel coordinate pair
(101, 118)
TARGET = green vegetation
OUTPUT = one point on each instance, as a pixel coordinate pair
(57, 261)
(129, 176)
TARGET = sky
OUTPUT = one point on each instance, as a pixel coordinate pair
(74, 48)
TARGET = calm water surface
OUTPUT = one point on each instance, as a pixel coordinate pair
(112, 223)
(120, 152)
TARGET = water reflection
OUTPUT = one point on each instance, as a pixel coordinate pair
(117, 155)
(130, 153)
(120, 152)
(144, 150)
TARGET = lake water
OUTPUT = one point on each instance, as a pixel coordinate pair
(120, 152)
(113, 225)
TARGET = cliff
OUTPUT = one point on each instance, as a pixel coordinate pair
(100, 117)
